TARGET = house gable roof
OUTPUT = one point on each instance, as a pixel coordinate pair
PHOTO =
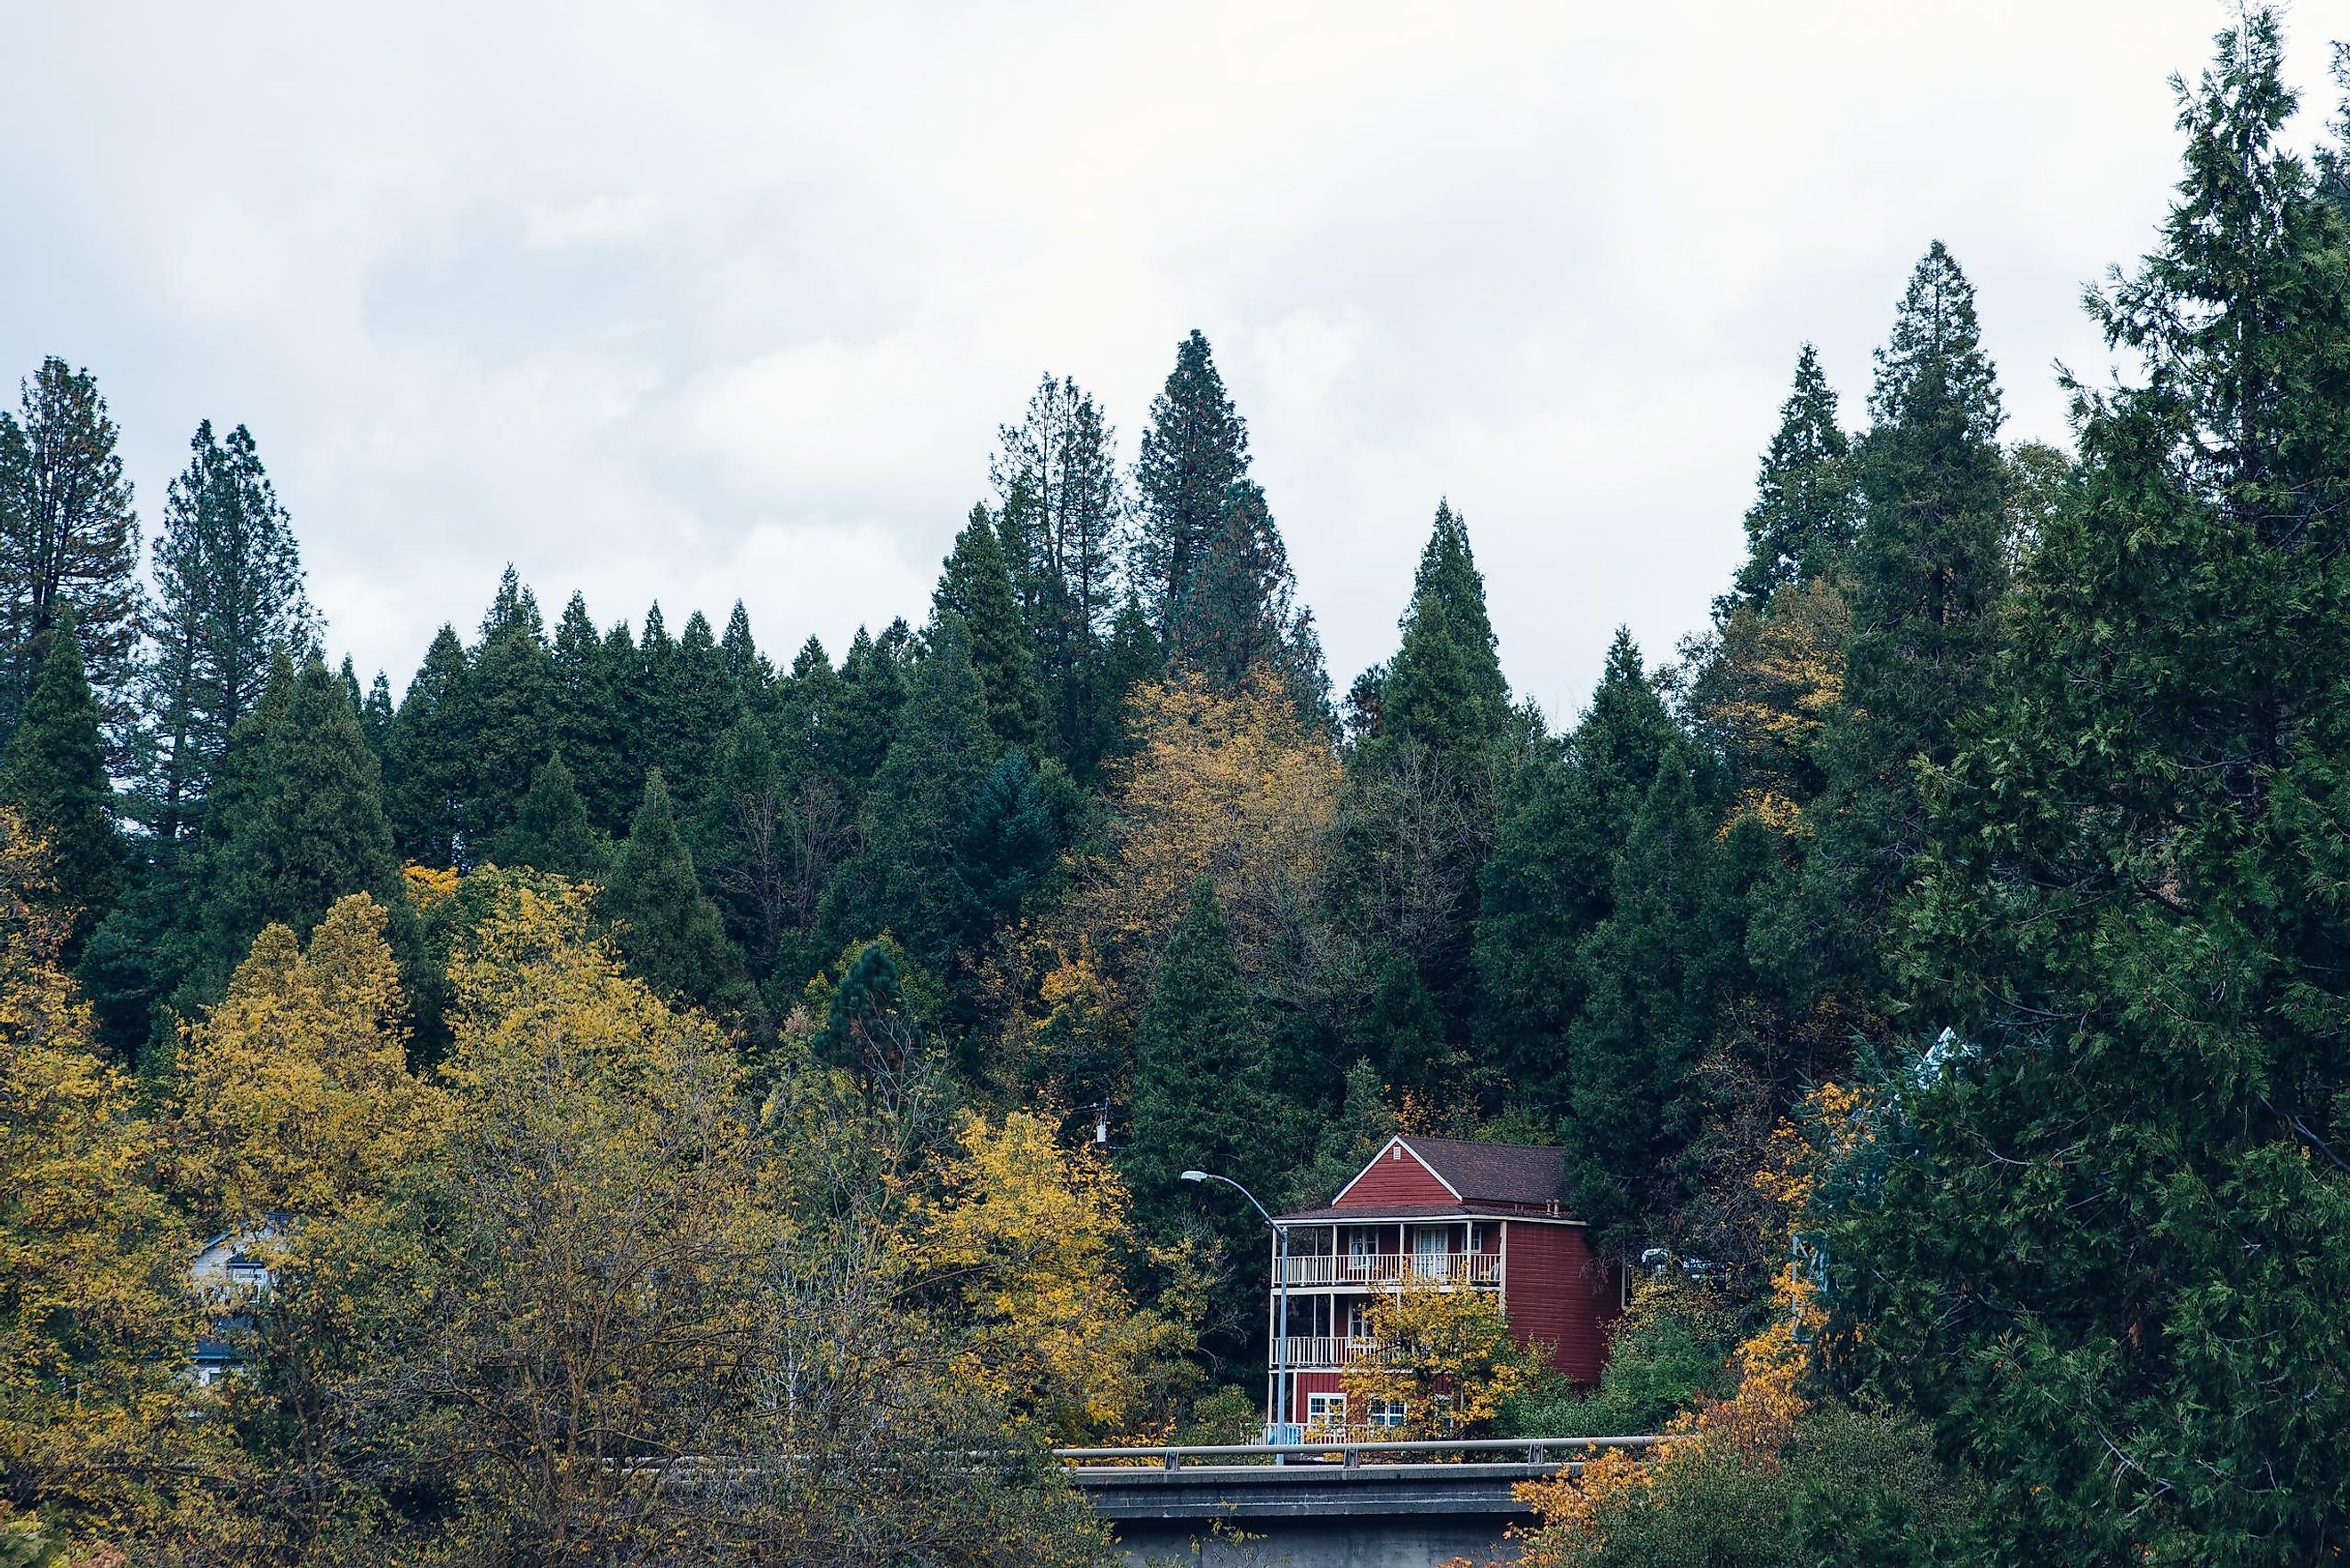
(1511, 1176)
(1397, 1172)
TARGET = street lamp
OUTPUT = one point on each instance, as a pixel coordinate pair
(1280, 1285)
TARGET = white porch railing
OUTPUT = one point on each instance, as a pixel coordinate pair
(1392, 1268)
(1323, 1352)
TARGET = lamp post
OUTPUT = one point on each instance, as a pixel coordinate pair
(1281, 1287)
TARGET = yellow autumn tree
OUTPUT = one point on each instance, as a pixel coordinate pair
(1225, 782)
(297, 1098)
(1775, 678)
(95, 1322)
(1037, 1240)
(597, 1292)
(1443, 1351)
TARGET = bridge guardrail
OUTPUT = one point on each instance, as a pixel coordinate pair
(1173, 1457)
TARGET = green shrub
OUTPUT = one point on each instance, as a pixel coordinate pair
(1851, 1488)
(1228, 1414)
(1671, 1350)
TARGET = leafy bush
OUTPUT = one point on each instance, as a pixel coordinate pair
(1850, 1487)
(1229, 1415)
(1671, 1350)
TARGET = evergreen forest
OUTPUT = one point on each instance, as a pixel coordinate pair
(694, 1094)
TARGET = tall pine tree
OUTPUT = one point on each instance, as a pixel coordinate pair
(1658, 975)
(703, 702)
(550, 831)
(977, 591)
(228, 593)
(2097, 1238)
(1193, 452)
(299, 822)
(430, 763)
(671, 934)
(1237, 609)
(906, 881)
(590, 727)
(872, 690)
(1549, 880)
(68, 542)
(1445, 687)
(1201, 1101)
(1926, 576)
(1061, 514)
(751, 672)
(509, 708)
(1804, 513)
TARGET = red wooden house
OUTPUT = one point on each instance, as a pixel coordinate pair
(1468, 1216)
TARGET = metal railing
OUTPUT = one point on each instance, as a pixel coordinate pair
(1537, 1451)
(1394, 1267)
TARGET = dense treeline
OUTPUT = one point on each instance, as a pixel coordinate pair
(1963, 904)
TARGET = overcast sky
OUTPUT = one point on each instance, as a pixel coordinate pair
(714, 302)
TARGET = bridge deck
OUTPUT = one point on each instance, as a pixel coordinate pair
(1301, 1491)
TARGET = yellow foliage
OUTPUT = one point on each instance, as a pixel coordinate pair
(1224, 783)
(1792, 1162)
(94, 1321)
(1035, 1236)
(430, 885)
(1446, 1352)
(1768, 692)
(607, 1225)
(297, 1096)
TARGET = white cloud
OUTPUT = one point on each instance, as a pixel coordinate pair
(696, 301)
(603, 219)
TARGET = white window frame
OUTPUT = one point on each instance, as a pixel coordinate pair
(1387, 1414)
(1421, 1235)
(1326, 1410)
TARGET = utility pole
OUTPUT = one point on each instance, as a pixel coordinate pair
(1282, 1393)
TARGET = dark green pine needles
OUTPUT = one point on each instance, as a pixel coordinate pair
(1200, 1099)
(53, 773)
(976, 590)
(2104, 1248)
(1805, 512)
(669, 933)
(1445, 687)
(297, 823)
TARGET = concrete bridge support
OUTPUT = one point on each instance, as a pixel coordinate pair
(1312, 1516)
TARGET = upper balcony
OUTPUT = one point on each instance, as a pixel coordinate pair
(1342, 1269)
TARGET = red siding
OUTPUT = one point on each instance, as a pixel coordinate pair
(1312, 1383)
(1392, 1182)
(1555, 1294)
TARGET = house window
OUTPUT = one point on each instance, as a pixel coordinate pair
(1387, 1413)
(1359, 1320)
(1429, 1244)
(1327, 1411)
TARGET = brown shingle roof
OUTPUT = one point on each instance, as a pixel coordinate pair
(1512, 1173)
(1364, 1213)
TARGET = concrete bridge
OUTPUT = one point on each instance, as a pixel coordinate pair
(1351, 1505)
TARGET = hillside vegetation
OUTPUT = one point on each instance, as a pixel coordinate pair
(1943, 960)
